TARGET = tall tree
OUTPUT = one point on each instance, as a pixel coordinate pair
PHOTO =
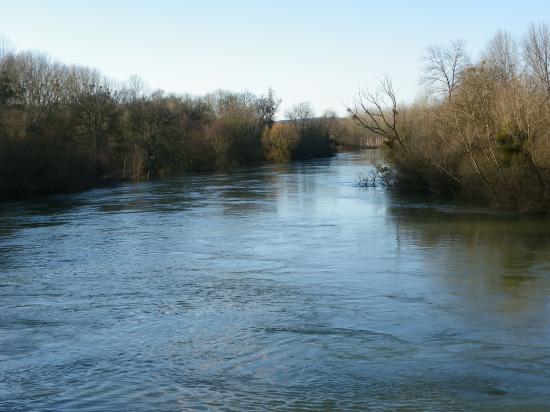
(501, 56)
(536, 52)
(444, 66)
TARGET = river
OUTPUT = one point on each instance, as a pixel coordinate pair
(280, 287)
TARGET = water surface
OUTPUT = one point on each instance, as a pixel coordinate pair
(281, 287)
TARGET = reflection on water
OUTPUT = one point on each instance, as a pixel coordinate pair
(281, 287)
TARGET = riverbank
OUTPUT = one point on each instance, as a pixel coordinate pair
(482, 134)
(66, 128)
(72, 182)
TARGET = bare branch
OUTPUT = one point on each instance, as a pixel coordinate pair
(444, 67)
(377, 112)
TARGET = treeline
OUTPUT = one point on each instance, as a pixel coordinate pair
(483, 130)
(349, 135)
(64, 128)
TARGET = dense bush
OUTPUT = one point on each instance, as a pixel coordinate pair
(485, 135)
(314, 133)
(64, 128)
(280, 142)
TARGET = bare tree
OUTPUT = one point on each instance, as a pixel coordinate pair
(266, 107)
(377, 112)
(96, 111)
(444, 67)
(6, 47)
(300, 114)
(501, 56)
(536, 52)
(133, 89)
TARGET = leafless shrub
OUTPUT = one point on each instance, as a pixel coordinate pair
(489, 139)
(379, 176)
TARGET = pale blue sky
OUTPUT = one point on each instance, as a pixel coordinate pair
(321, 51)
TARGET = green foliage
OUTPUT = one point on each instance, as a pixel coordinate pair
(510, 142)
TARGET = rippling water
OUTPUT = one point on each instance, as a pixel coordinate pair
(276, 288)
